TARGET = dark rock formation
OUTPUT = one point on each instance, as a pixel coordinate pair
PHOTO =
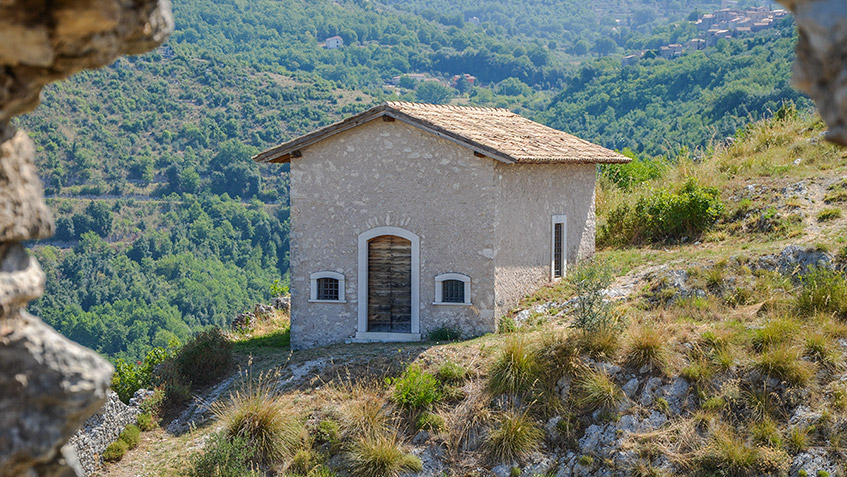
(821, 67)
(48, 384)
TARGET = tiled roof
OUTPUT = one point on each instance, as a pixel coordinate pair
(493, 132)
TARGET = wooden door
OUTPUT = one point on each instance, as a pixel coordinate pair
(389, 285)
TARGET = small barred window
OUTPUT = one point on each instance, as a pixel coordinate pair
(452, 291)
(327, 289)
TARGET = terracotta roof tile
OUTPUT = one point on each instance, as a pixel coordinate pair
(494, 132)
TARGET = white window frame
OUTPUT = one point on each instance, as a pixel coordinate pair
(439, 290)
(558, 219)
(313, 295)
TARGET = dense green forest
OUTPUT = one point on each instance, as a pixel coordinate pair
(165, 226)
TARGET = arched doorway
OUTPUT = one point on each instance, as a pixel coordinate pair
(388, 285)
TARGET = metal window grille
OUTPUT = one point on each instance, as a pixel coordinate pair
(452, 291)
(327, 289)
(557, 250)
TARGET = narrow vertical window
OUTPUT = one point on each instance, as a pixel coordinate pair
(557, 253)
(559, 262)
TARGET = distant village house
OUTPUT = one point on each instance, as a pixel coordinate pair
(408, 218)
(334, 43)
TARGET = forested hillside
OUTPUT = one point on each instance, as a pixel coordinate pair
(166, 226)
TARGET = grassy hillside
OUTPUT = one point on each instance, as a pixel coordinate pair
(713, 358)
(130, 153)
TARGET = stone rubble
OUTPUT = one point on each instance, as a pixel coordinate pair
(100, 430)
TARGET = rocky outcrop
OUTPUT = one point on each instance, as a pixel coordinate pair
(100, 430)
(821, 67)
(42, 41)
(48, 384)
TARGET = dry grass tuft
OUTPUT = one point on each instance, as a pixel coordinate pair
(597, 390)
(786, 363)
(379, 455)
(256, 414)
(648, 347)
(514, 436)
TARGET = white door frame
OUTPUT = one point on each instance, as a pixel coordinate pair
(363, 334)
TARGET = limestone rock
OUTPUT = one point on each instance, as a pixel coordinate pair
(23, 213)
(21, 279)
(49, 385)
(42, 41)
(821, 66)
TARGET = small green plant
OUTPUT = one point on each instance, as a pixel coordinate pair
(131, 435)
(586, 460)
(773, 332)
(145, 422)
(514, 436)
(765, 432)
(445, 334)
(596, 390)
(451, 372)
(797, 439)
(224, 456)
(280, 288)
(304, 462)
(328, 432)
(822, 291)
(379, 455)
(593, 313)
(714, 403)
(516, 370)
(802, 473)
(417, 389)
(506, 325)
(839, 398)
(829, 213)
(663, 405)
(129, 378)
(429, 421)
(115, 451)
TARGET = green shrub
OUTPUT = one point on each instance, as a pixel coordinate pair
(586, 460)
(129, 378)
(638, 171)
(445, 333)
(379, 455)
(417, 389)
(328, 432)
(514, 436)
(223, 456)
(822, 291)
(664, 215)
(451, 372)
(592, 313)
(829, 213)
(145, 422)
(115, 451)
(152, 405)
(516, 370)
(131, 435)
(429, 421)
(205, 358)
(507, 325)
